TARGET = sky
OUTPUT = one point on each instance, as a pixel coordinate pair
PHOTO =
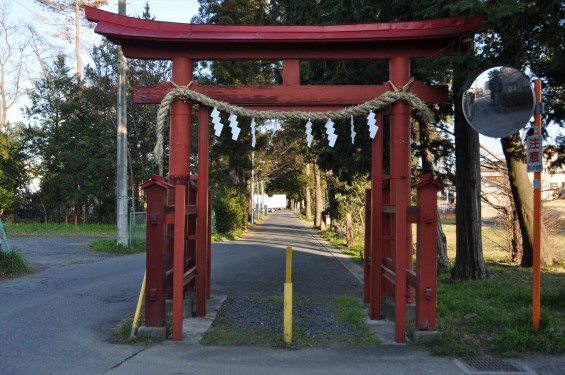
(163, 10)
(28, 11)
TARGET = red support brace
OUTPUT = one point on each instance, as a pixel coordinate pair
(156, 190)
(399, 70)
(367, 261)
(426, 279)
(202, 213)
(376, 232)
(178, 263)
(209, 248)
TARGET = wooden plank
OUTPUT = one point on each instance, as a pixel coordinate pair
(292, 96)
(178, 263)
(411, 279)
(291, 72)
(382, 50)
(412, 214)
(202, 216)
(189, 275)
(388, 274)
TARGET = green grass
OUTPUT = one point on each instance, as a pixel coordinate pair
(355, 251)
(494, 316)
(317, 322)
(60, 229)
(12, 264)
(121, 332)
(221, 237)
(111, 246)
(495, 246)
(350, 311)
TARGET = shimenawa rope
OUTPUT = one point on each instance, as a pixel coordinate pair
(185, 93)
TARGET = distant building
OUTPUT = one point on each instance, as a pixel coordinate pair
(493, 184)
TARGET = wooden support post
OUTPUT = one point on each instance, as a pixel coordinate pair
(386, 243)
(202, 213)
(426, 277)
(367, 249)
(209, 248)
(376, 221)
(178, 262)
(179, 142)
(191, 235)
(291, 72)
(156, 190)
(399, 70)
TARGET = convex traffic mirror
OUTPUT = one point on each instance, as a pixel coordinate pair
(498, 101)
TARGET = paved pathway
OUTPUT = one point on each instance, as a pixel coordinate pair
(56, 321)
(256, 264)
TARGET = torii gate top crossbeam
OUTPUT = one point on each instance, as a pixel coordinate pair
(167, 40)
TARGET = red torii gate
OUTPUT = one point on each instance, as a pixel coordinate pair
(391, 213)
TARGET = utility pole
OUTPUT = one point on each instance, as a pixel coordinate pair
(122, 145)
(77, 40)
(252, 186)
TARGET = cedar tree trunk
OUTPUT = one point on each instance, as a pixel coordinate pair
(308, 195)
(318, 179)
(522, 192)
(469, 261)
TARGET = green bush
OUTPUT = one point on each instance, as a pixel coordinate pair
(230, 207)
(11, 264)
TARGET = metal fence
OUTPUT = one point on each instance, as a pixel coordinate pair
(4, 244)
(137, 226)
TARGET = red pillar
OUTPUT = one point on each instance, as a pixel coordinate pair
(367, 248)
(179, 143)
(178, 271)
(376, 221)
(426, 275)
(156, 191)
(202, 213)
(209, 248)
(179, 154)
(399, 70)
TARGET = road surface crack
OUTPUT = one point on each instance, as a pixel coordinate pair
(125, 360)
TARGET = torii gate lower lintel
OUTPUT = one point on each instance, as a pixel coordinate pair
(391, 214)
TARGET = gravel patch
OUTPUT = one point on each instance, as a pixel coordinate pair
(252, 320)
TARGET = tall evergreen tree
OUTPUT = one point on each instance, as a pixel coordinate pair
(13, 176)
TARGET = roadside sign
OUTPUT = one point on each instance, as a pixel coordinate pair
(534, 153)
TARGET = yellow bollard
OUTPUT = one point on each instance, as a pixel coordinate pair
(287, 335)
(138, 308)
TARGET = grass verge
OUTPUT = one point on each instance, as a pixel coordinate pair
(120, 333)
(12, 264)
(494, 316)
(60, 229)
(317, 322)
(221, 237)
(111, 246)
(355, 251)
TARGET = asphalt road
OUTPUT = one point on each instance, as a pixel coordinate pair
(58, 319)
(256, 264)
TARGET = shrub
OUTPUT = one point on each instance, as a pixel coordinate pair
(230, 207)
